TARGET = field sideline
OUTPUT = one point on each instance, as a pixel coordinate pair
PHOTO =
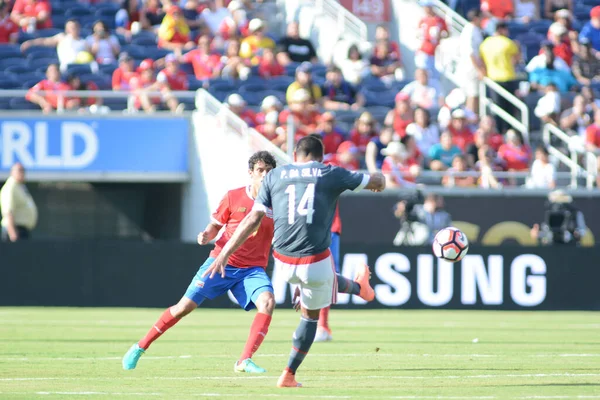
(72, 353)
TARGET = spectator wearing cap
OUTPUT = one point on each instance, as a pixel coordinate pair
(304, 81)
(471, 68)
(235, 25)
(549, 105)
(441, 154)
(364, 131)
(565, 18)
(339, 94)
(52, 85)
(384, 64)
(74, 83)
(547, 57)
(269, 66)
(330, 135)
(237, 105)
(354, 67)
(547, 74)
(423, 93)
(270, 128)
(455, 100)
(515, 153)
(401, 115)
(9, 30)
(142, 83)
(121, 77)
(373, 156)
(431, 30)
(70, 46)
(527, 11)
(104, 47)
(551, 7)
(453, 178)
(253, 45)
(396, 167)
(214, 15)
(500, 56)
(32, 15)
(269, 104)
(205, 62)
(174, 33)
(346, 156)
(586, 66)
(293, 48)
(462, 135)
(558, 36)
(304, 116)
(591, 30)
(425, 132)
(172, 78)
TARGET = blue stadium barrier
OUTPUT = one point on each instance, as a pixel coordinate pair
(10, 51)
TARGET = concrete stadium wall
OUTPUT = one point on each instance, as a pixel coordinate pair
(136, 274)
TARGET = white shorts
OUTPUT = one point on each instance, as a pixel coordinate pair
(317, 279)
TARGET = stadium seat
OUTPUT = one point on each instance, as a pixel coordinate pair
(257, 86)
(10, 51)
(28, 83)
(58, 21)
(155, 53)
(79, 69)
(48, 32)
(379, 113)
(277, 93)
(137, 52)
(17, 70)
(107, 10)
(290, 69)
(384, 98)
(9, 62)
(253, 98)
(116, 104)
(35, 52)
(190, 103)
(108, 69)
(187, 68)
(144, 41)
(4, 103)
(582, 12)
(22, 104)
(103, 81)
(194, 84)
(9, 83)
(35, 63)
(78, 12)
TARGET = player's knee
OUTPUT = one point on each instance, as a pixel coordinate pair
(183, 308)
(266, 303)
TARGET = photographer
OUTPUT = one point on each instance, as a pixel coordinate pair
(420, 222)
(564, 224)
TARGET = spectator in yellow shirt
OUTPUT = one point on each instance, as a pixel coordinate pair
(500, 56)
(304, 81)
(252, 46)
(19, 212)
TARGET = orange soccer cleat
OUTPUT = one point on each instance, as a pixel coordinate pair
(362, 278)
(287, 379)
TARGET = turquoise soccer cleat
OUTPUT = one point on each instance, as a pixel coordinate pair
(130, 359)
(248, 365)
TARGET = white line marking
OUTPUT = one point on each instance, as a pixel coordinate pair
(318, 377)
(97, 394)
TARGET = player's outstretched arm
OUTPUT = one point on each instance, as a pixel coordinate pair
(376, 182)
(248, 226)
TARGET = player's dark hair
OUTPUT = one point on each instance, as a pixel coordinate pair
(263, 156)
(310, 146)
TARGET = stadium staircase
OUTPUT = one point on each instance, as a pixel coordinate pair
(560, 145)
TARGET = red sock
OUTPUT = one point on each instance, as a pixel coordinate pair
(258, 331)
(324, 318)
(165, 321)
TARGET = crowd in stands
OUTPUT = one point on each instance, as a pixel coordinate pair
(368, 112)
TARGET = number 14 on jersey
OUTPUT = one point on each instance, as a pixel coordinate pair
(305, 206)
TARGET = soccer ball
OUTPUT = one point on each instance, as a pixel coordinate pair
(450, 244)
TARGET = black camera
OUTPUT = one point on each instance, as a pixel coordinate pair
(411, 200)
(561, 220)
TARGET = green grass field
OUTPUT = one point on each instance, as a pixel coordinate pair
(76, 353)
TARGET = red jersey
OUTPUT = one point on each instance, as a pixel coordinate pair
(361, 141)
(269, 135)
(401, 124)
(592, 135)
(354, 165)
(173, 81)
(331, 141)
(394, 51)
(33, 10)
(336, 225)
(7, 29)
(266, 70)
(121, 80)
(516, 158)
(248, 116)
(254, 252)
(178, 38)
(86, 100)
(495, 141)
(431, 32)
(308, 120)
(47, 85)
(203, 63)
(461, 138)
(397, 170)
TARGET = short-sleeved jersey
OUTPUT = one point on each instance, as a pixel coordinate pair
(254, 252)
(303, 197)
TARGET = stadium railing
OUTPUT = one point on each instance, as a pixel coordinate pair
(349, 26)
(552, 133)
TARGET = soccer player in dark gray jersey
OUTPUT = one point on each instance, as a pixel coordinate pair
(303, 197)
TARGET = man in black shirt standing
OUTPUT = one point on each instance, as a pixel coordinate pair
(292, 48)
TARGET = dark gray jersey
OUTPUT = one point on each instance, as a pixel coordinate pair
(303, 198)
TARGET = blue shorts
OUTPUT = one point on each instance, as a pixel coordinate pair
(246, 284)
(335, 250)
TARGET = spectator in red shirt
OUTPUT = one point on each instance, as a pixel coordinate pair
(236, 25)
(270, 129)
(121, 78)
(304, 115)
(270, 104)
(206, 64)
(346, 156)
(330, 136)
(558, 36)
(384, 64)
(431, 30)
(459, 164)
(487, 124)
(74, 83)
(382, 33)
(401, 115)
(172, 79)
(415, 157)
(52, 84)
(9, 30)
(174, 33)
(31, 15)
(515, 153)
(462, 135)
(365, 130)
(142, 83)
(396, 166)
(237, 105)
(498, 9)
(268, 65)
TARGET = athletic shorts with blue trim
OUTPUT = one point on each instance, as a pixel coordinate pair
(246, 284)
(335, 250)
